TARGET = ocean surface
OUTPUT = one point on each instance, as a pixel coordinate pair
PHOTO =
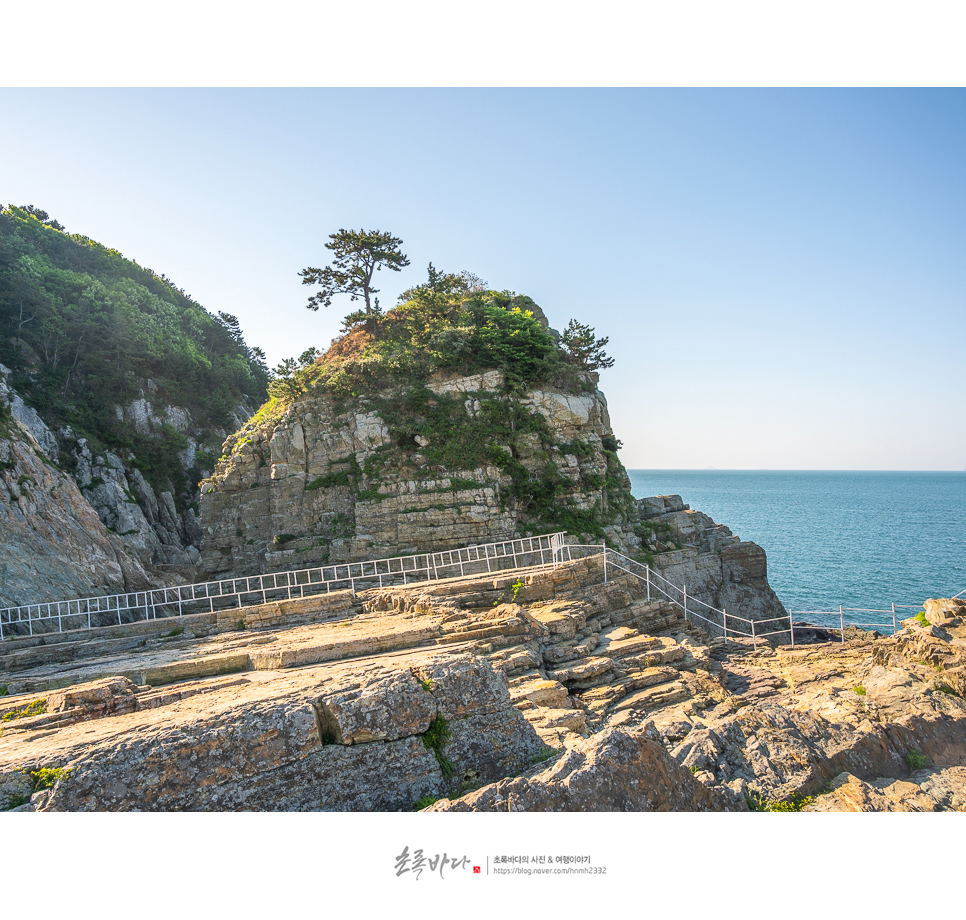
(859, 539)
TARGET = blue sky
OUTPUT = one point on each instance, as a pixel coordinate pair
(781, 272)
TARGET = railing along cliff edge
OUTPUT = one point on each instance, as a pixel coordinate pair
(211, 596)
(524, 552)
(718, 622)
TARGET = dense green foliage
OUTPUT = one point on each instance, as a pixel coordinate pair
(83, 329)
(465, 333)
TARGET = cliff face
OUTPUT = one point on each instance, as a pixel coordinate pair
(456, 461)
(125, 381)
(159, 525)
(148, 527)
(690, 549)
(53, 546)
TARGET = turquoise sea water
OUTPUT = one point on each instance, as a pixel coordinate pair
(860, 539)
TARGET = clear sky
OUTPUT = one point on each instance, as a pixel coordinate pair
(781, 272)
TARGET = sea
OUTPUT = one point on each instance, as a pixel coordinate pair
(862, 540)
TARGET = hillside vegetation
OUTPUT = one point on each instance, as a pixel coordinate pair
(84, 330)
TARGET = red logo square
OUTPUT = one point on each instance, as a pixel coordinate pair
(476, 870)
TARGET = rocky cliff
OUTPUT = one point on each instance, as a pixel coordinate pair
(449, 462)
(455, 461)
(127, 384)
(53, 544)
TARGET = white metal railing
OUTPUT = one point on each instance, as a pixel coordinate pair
(210, 596)
(719, 621)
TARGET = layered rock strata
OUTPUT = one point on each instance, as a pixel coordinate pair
(717, 568)
(330, 482)
(631, 707)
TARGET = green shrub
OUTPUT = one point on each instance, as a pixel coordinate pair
(434, 739)
(36, 708)
(758, 802)
(46, 777)
(917, 760)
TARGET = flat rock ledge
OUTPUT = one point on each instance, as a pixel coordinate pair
(548, 690)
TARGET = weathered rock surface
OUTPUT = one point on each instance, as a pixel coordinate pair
(631, 707)
(149, 523)
(614, 770)
(53, 544)
(332, 482)
(714, 565)
(267, 744)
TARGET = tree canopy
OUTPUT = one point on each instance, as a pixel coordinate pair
(358, 255)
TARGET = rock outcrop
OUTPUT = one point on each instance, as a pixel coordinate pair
(539, 690)
(690, 549)
(150, 528)
(614, 770)
(53, 544)
(332, 482)
(369, 737)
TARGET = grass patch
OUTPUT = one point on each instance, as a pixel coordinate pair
(758, 802)
(544, 755)
(46, 777)
(36, 708)
(342, 478)
(4, 690)
(920, 618)
(434, 739)
(177, 631)
(858, 688)
(917, 760)
(425, 801)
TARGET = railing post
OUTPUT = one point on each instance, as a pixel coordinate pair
(894, 618)
(753, 639)
(647, 570)
(605, 565)
(684, 588)
(842, 622)
(724, 623)
(791, 626)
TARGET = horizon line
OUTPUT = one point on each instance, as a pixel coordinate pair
(714, 469)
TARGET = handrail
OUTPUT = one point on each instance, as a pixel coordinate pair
(722, 623)
(206, 597)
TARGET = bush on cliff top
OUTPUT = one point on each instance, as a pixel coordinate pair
(464, 334)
